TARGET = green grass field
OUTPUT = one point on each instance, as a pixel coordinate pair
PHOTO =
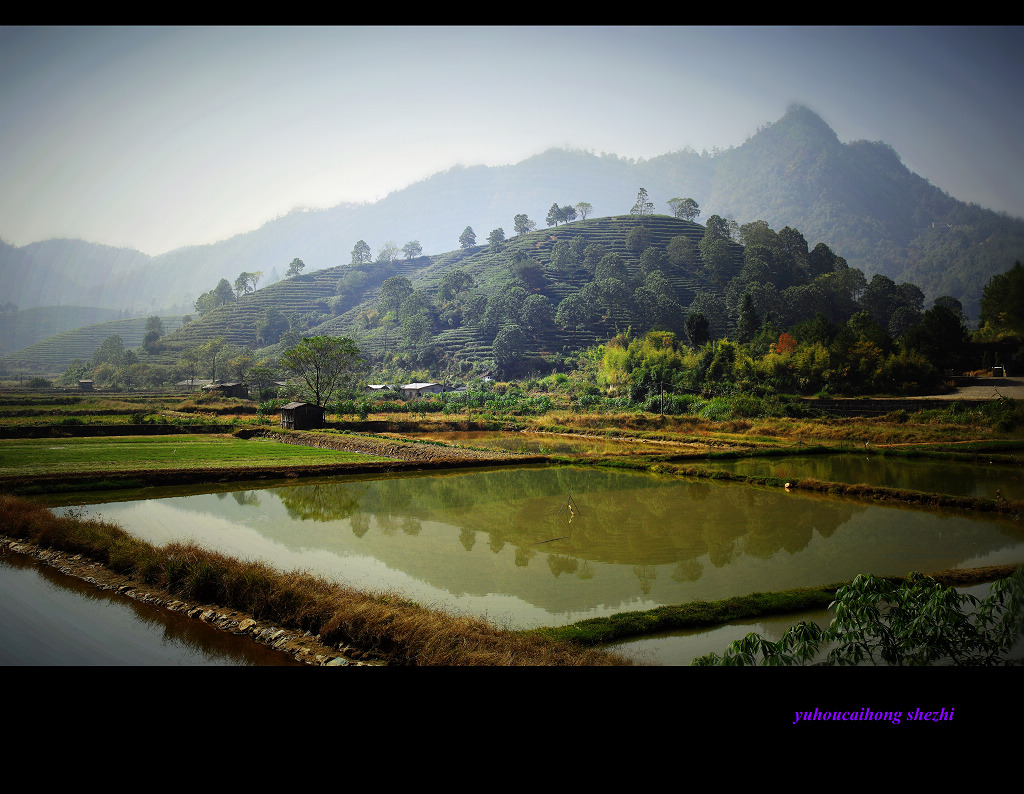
(19, 457)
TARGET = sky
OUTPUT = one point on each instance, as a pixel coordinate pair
(160, 137)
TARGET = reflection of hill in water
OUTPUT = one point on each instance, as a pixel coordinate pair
(636, 540)
(956, 478)
(618, 517)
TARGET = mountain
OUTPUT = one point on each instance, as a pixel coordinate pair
(856, 197)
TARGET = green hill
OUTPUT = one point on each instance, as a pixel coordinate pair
(53, 354)
(19, 329)
(344, 300)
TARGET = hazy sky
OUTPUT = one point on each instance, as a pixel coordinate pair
(161, 137)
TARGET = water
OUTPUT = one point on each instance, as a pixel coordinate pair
(536, 546)
(49, 618)
(680, 648)
(955, 478)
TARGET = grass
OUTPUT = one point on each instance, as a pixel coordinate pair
(20, 457)
(398, 630)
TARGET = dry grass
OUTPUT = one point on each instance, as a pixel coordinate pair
(400, 631)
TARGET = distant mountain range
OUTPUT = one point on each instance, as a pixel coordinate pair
(856, 197)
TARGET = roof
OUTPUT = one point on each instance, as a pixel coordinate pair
(419, 385)
(293, 406)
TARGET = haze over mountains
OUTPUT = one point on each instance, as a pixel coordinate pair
(856, 197)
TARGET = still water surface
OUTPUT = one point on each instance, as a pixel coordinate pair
(934, 476)
(50, 619)
(539, 546)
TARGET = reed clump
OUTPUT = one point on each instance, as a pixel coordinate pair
(393, 628)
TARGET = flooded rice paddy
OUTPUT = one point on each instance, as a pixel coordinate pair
(534, 546)
(983, 480)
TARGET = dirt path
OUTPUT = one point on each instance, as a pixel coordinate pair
(984, 389)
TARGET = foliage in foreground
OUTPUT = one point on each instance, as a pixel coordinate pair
(917, 622)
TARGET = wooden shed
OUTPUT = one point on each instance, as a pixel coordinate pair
(301, 416)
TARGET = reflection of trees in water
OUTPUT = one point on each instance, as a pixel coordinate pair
(646, 574)
(323, 501)
(360, 524)
(523, 556)
(562, 563)
(687, 571)
(246, 498)
(618, 517)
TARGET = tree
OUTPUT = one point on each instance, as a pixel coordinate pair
(272, 325)
(638, 239)
(554, 215)
(536, 314)
(715, 228)
(412, 249)
(246, 282)
(508, 347)
(393, 292)
(941, 336)
(522, 224)
(568, 213)
(697, 328)
(154, 330)
(912, 623)
(210, 351)
(295, 268)
(1002, 303)
(241, 365)
(643, 205)
(262, 376)
(388, 253)
(188, 364)
(495, 240)
(611, 266)
(719, 259)
(111, 351)
(748, 321)
(468, 238)
(325, 364)
(452, 283)
(681, 251)
(684, 208)
(584, 209)
(361, 254)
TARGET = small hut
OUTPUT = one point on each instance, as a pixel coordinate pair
(85, 385)
(301, 416)
(234, 390)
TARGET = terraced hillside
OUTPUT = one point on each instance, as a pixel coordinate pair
(491, 273)
(54, 354)
(344, 300)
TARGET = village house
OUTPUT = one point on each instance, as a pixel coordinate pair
(412, 391)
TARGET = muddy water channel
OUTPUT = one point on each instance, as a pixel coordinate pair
(541, 545)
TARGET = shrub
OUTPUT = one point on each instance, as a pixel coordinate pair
(916, 622)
